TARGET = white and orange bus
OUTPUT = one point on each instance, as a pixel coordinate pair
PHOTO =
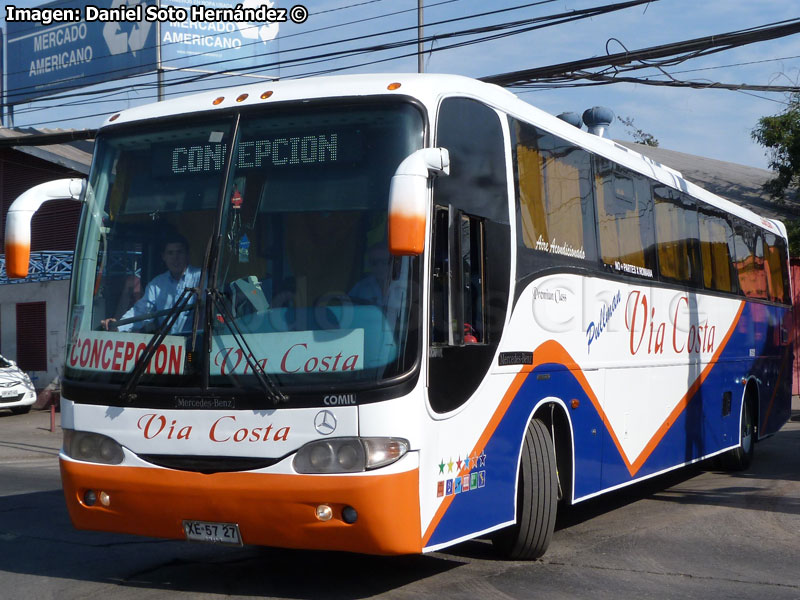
(423, 311)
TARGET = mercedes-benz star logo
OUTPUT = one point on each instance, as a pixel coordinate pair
(325, 422)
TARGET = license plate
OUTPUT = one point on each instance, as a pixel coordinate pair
(8, 393)
(215, 533)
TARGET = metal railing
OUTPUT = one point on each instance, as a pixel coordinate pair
(44, 266)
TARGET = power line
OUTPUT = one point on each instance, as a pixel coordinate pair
(575, 73)
(673, 53)
(548, 20)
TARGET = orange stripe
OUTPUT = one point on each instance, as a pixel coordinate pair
(551, 352)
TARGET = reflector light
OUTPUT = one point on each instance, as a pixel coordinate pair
(266, 95)
(242, 98)
(105, 499)
(218, 100)
(575, 403)
(393, 86)
(114, 117)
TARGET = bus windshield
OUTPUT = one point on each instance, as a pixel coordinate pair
(255, 245)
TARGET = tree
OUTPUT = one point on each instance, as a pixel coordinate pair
(639, 136)
(780, 135)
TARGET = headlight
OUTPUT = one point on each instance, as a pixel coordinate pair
(92, 447)
(348, 454)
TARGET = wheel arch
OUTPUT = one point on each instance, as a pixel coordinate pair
(553, 412)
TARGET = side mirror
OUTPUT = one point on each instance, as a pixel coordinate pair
(408, 199)
(18, 222)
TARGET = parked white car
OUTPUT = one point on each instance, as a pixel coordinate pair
(16, 389)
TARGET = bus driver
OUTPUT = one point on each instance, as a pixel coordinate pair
(163, 290)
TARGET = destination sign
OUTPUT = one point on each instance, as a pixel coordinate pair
(312, 149)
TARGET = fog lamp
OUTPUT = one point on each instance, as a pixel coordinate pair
(324, 512)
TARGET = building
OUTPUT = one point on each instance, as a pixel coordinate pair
(33, 312)
(738, 183)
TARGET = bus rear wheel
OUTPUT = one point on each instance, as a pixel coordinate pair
(740, 458)
(537, 499)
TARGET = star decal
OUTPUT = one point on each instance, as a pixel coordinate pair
(482, 459)
(466, 461)
(441, 467)
(459, 462)
(450, 465)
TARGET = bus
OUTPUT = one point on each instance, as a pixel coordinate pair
(420, 311)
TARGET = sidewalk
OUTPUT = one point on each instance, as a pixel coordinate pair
(28, 436)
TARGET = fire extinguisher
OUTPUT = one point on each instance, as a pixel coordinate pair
(469, 334)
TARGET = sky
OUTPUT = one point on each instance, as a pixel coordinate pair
(711, 123)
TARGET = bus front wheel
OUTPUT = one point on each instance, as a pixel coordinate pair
(537, 499)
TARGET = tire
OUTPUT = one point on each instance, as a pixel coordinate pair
(537, 499)
(20, 410)
(740, 458)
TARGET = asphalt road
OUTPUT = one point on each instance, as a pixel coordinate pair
(697, 534)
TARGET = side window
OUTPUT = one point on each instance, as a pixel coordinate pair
(744, 259)
(750, 263)
(471, 252)
(717, 249)
(458, 295)
(777, 268)
(554, 191)
(761, 268)
(473, 297)
(440, 278)
(624, 219)
(677, 235)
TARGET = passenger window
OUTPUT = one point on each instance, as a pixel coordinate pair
(625, 219)
(777, 268)
(760, 268)
(717, 249)
(750, 260)
(677, 235)
(554, 187)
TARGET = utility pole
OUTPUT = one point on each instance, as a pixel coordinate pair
(420, 45)
(159, 64)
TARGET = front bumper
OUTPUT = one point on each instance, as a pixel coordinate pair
(270, 509)
(21, 397)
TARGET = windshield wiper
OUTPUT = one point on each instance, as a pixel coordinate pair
(127, 393)
(267, 382)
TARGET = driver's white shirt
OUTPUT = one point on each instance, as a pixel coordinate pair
(160, 294)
